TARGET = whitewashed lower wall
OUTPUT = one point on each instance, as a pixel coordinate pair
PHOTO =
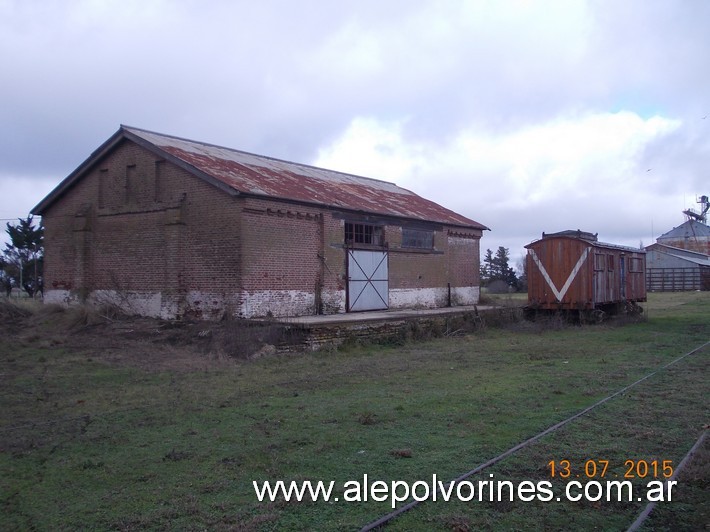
(151, 304)
(333, 301)
(432, 297)
(140, 303)
(255, 304)
(465, 295)
(59, 297)
(276, 303)
(417, 297)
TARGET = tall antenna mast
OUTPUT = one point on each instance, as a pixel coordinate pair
(701, 216)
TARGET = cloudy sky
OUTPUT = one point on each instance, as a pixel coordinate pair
(526, 116)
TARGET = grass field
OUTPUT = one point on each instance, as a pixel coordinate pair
(109, 423)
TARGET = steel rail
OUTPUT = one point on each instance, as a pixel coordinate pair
(651, 505)
(386, 518)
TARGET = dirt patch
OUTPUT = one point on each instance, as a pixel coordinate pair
(147, 343)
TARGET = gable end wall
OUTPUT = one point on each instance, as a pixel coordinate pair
(134, 232)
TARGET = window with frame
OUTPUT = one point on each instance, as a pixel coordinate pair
(635, 265)
(610, 263)
(417, 238)
(356, 233)
(599, 261)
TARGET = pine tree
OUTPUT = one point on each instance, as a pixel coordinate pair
(487, 267)
(497, 267)
(24, 255)
(502, 269)
(5, 279)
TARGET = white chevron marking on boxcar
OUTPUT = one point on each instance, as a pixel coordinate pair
(559, 294)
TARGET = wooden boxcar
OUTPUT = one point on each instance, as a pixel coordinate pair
(571, 270)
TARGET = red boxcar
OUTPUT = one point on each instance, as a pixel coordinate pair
(571, 270)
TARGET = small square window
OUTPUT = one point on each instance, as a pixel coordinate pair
(363, 234)
(417, 238)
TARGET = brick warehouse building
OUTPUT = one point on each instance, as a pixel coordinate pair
(169, 227)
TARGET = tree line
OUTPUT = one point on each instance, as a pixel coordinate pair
(497, 268)
(23, 257)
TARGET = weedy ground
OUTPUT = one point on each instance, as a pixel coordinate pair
(109, 422)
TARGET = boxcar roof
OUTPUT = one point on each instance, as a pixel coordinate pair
(589, 238)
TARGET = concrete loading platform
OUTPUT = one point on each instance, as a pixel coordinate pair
(326, 331)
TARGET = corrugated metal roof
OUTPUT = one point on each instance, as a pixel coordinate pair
(689, 229)
(685, 258)
(259, 175)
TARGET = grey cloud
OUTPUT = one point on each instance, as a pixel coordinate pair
(287, 78)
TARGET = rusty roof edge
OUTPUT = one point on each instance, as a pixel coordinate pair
(179, 162)
(183, 139)
(224, 186)
(478, 225)
(124, 132)
(129, 132)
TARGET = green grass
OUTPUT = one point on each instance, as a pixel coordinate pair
(117, 437)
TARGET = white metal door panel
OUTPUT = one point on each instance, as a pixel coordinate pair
(368, 280)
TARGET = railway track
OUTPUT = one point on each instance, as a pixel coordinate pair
(385, 519)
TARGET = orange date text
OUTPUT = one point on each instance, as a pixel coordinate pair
(600, 468)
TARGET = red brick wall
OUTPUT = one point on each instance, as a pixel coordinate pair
(454, 259)
(140, 225)
(281, 245)
(464, 258)
(145, 228)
